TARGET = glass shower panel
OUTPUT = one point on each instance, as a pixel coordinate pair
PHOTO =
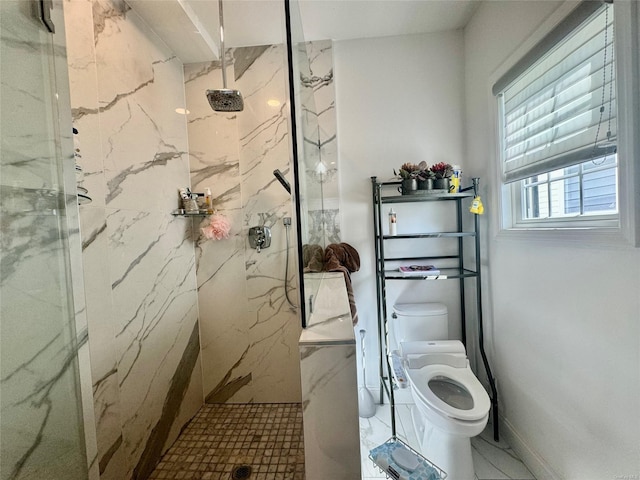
(299, 64)
(302, 99)
(41, 429)
(311, 79)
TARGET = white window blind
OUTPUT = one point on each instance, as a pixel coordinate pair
(560, 110)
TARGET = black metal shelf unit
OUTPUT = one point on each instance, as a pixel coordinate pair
(459, 272)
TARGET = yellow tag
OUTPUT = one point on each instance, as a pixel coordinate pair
(476, 206)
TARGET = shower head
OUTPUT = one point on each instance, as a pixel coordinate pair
(278, 174)
(224, 99)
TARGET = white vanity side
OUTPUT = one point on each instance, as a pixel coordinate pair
(329, 384)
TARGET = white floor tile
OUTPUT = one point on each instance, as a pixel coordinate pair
(374, 431)
(496, 460)
(405, 426)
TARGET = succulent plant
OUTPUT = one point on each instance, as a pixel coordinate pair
(419, 171)
(442, 170)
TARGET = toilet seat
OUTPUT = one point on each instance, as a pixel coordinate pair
(461, 377)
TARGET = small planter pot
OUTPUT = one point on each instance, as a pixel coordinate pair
(441, 184)
(425, 184)
(408, 185)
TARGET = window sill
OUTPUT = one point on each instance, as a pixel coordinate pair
(576, 236)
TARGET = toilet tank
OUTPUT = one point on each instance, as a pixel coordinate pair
(420, 321)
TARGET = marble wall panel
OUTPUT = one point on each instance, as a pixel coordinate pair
(43, 324)
(223, 320)
(84, 98)
(40, 410)
(139, 260)
(264, 146)
(145, 150)
(110, 461)
(104, 360)
(28, 134)
(328, 379)
(321, 198)
(152, 279)
(214, 162)
(249, 344)
(321, 82)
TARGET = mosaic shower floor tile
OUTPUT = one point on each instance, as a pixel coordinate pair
(225, 441)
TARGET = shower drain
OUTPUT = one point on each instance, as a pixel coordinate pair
(241, 473)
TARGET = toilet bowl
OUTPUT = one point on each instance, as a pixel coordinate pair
(451, 405)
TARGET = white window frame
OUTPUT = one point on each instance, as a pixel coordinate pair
(611, 220)
(625, 228)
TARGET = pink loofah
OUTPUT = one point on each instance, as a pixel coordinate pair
(218, 227)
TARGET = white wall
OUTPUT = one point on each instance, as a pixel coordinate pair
(399, 100)
(564, 323)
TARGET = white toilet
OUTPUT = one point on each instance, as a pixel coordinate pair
(451, 405)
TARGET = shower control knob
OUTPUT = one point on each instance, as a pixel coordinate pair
(259, 237)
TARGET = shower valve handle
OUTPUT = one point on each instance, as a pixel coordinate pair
(259, 238)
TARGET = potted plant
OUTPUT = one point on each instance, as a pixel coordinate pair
(408, 173)
(425, 177)
(442, 173)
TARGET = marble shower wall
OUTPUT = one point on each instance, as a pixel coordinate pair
(43, 340)
(249, 334)
(321, 185)
(138, 260)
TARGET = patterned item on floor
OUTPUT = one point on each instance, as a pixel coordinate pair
(227, 441)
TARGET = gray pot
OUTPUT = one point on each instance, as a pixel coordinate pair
(409, 185)
(425, 184)
(441, 184)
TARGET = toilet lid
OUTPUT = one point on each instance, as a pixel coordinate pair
(454, 392)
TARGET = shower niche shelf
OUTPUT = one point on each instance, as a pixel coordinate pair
(180, 212)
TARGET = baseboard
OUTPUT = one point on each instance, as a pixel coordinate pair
(534, 462)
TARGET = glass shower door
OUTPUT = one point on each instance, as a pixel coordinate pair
(41, 427)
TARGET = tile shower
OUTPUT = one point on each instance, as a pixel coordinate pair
(174, 320)
(248, 332)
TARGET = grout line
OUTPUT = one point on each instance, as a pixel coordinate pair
(220, 437)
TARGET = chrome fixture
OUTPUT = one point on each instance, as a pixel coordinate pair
(278, 174)
(224, 99)
(259, 238)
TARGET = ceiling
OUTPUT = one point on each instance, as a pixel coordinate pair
(190, 27)
(352, 19)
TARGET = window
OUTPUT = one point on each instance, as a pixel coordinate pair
(587, 191)
(558, 126)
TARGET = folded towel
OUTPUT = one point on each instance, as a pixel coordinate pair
(342, 257)
(312, 258)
